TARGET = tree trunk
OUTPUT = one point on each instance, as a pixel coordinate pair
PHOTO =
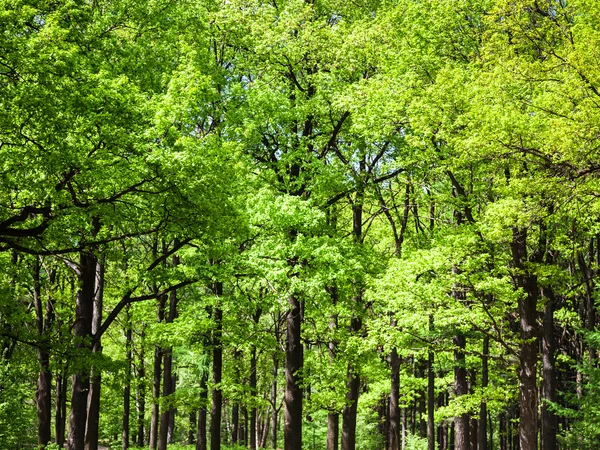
(82, 331)
(43, 394)
(333, 427)
(430, 396)
(127, 389)
(217, 395)
(403, 429)
(253, 390)
(235, 423)
(274, 418)
(528, 425)
(394, 407)
(172, 412)
(61, 408)
(482, 429)
(93, 408)
(201, 443)
(294, 359)
(191, 440)
(549, 422)
(141, 393)
(168, 387)
(353, 381)
(461, 387)
(157, 372)
(350, 410)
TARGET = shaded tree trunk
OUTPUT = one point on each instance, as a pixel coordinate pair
(430, 395)
(528, 404)
(168, 379)
(275, 413)
(350, 410)
(201, 443)
(82, 331)
(157, 372)
(43, 394)
(394, 406)
(217, 370)
(548, 417)
(253, 390)
(461, 387)
(93, 408)
(482, 429)
(61, 408)
(353, 381)
(127, 388)
(294, 359)
(141, 393)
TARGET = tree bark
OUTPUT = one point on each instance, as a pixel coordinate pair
(430, 395)
(82, 331)
(43, 395)
(235, 423)
(93, 408)
(528, 404)
(127, 388)
(394, 407)
(253, 389)
(61, 408)
(168, 379)
(217, 354)
(141, 393)
(350, 409)
(353, 381)
(482, 429)
(548, 418)
(293, 391)
(275, 413)
(157, 373)
(201, 443)
(461, 387)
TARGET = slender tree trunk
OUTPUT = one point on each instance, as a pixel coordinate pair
(350, 410)
(193, 428)
(157, 372)
(394, 410)
(235, 423)
(61, 408)
(253, 411)
(201, 443)
(253, 389)
(82, 331)
(168, 378)
(528, 404)
(172, 412)
(93, 408)
(293, 391)
(217, 395)
(482, 429)
(333, 417)
(333, 427)
(274, 418)
(127, 388)
(141, 393)
(549, 421)
(461, 423)
(353, 381)
(403, 429)
(430, 395)
(43, 395)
